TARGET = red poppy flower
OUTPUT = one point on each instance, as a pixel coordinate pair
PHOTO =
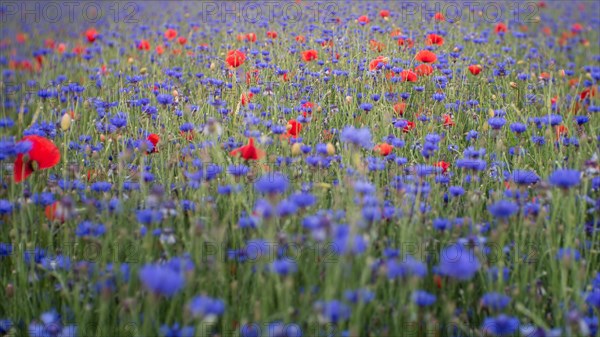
(363, 19)
(424, 70)
(576, 28)
(409, 126)
(272, 34)
(300, 38)
(160, 50)
(399, 108)
(439, 17)
(435, 39)
(248, 152)
(182, 40)
(143, 45)
(408, 76)
(310, 55)
(252, 75)
(61, 48)
(376, 45)
(384, 13)
(293, 128)
(251, 37)
(49, 43)
(561, 130)
(384, 149)
(426, 56)
(475, 69)
(235, 58)
(56, 211)
(409, 43)
(170, 34)
(43, 154)
(154, 139)
(541, 4)
(245, 98)
(448, 120)
(378, 63)
(91, 35)
(443, 165)
(500, 28)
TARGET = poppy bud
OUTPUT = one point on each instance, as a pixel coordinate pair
(130, 60)
(513, 85)
(143, 71)
(348, 99)
(330, 149)
(65, 122)
(9, 290)
(296, 151)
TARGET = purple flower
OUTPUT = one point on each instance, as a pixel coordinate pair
(459, 262)
(176, 331)
(423, 298)
(524, 177)
(495, 301)
(332, 311)
(503, 209)
(284, 267)
(501, 325)
(272, 183)
(206, 307)
(565, 178)
(359, 137)
(162, 279)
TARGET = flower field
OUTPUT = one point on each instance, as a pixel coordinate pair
(301, 168)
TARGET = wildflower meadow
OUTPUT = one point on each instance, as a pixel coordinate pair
(299, 168)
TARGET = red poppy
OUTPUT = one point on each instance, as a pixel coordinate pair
(435, 39)
(300, 38)
(56, 211)
(49, 43)
(363, 19)
(409, 43)
(384, 13)
(500, 28)
(448, 120)
(182, 40)
(408, 76)
(154, 139)
(399, 108)
(426, 56)
(293, 128)
(439, 17)
(21, 37)
(424, 70)
(541, 4)
(443, 165)
(409, 126)
(378, 63)
(61, 48)
(376, 45)
(310, 55)
(272, 34)
(475, 69)
(561, 130)
(248, 152)
(143, 45)
(576, 28)
(245, 98)
(91, 35)
(384, 149)
(251, 37)
(437, 279)
(235, 58)
(252, 75)
(43, 154)
(170, 34)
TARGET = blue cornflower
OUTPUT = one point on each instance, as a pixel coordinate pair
(272, 183)
(332, 311)
(495, 301)
(359, 137)
(284, 266)
(162, 279)
(496, 123)
(524, 177)
(518, 128)
(204, 306)
(501, 325)
(459, 262)
(565, 178)
(423, 298)
(503, 209)
(176, 331)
